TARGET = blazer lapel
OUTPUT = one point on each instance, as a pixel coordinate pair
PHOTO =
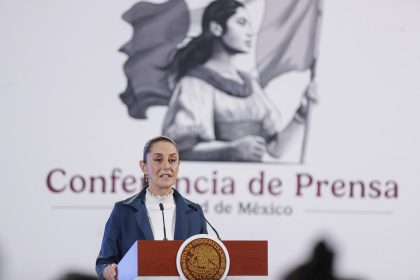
(181, 217)
(143, 222)
(142, 219)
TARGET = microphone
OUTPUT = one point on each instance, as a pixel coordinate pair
(163, 217)
(202, 215)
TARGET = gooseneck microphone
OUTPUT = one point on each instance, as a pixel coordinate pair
(202, 215)
(163, 217)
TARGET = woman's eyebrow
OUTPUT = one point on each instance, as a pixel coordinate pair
(160, 154)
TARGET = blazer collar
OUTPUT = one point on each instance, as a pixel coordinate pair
(181, 216)
(141, 216)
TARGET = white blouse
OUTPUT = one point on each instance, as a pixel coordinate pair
(155, 214)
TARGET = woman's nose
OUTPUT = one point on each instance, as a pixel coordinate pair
(249, 34)
(166, 164)
(249, 31)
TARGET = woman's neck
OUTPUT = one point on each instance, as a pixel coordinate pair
(159, 192)
(222, 63)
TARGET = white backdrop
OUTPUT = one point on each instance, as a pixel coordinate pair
(59, 83)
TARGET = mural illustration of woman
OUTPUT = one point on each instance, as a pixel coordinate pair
(218, 113)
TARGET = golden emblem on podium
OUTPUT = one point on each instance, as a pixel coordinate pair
(202, 257)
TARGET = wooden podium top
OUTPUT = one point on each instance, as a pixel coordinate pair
(158, 258)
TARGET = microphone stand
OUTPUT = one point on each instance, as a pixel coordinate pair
(163, 217)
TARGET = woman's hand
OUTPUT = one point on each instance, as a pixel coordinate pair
(310, 96)
(311, 92)
(248, 148)
(110, 272)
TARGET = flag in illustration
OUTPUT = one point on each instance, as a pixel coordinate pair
(286, 41)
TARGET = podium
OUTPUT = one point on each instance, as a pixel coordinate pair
(148, 258)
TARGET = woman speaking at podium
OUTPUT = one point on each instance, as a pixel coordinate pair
(158, 212)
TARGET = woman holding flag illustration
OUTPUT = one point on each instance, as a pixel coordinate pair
(218, 113)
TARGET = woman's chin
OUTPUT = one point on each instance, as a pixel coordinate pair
(166, 185)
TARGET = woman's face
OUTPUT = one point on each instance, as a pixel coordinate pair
(161, 167)
(238, 35)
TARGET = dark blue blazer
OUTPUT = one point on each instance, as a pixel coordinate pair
(129, 222)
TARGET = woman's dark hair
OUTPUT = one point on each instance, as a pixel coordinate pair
(151, 142)
(200, 48)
